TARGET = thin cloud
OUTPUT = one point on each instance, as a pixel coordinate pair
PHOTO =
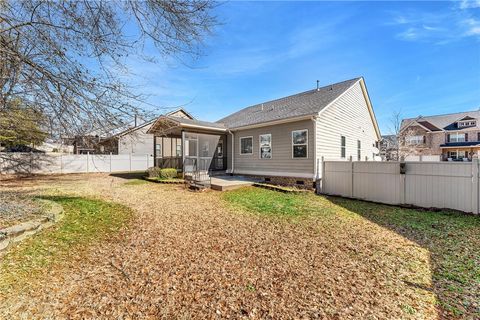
(469, 4)
(441, 27)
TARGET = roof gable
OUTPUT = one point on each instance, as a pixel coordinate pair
(180, 113)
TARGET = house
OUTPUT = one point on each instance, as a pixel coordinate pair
(281, 141)
(389, 148)
(450, 137)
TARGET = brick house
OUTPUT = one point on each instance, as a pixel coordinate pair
(452, 137)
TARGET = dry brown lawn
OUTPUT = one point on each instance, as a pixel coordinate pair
(194, 255)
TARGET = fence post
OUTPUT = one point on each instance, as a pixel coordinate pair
(61, 162)
(130, 159)
(403, 177)
(110, 162)
(475, 204)
(88, 153)
(351, 171)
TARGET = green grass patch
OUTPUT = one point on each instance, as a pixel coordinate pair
(270, 202)
(265, 201)
(85, 222)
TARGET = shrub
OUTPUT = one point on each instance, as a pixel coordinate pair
(168, 173)
(153, 172)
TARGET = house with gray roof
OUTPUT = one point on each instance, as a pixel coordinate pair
(281, 141)
(450, 137)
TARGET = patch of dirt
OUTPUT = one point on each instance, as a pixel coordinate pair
(17, 207)
(189, 255)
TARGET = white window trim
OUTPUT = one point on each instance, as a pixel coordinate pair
(260, 146)
(240, 146)
(303, 144)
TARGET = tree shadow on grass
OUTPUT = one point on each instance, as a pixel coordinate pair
(129, 175)
(453, 240)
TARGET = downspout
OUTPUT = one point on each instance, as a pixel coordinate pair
(233, 151)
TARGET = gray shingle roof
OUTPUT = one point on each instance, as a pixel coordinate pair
(446, 121)
(302, 104)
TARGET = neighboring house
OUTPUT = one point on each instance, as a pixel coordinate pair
(389, 148)
(129, 139)
(452, 137)
(282, 141)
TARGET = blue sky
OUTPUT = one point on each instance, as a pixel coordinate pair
(417, 57)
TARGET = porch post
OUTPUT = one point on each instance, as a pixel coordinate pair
(475, 180)
(183, 154)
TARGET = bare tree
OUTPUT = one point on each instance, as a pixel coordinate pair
(395, 126)
(67, 59)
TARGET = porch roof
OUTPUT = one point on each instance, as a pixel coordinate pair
(169, 124)
(461, 144)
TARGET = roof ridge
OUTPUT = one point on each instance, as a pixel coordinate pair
(440, 115)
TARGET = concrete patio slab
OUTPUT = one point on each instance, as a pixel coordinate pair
(223, 183)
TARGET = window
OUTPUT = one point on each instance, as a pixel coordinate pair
(343, 147)
(464, 124)
(265, 142)
(158, 150)
(300, 143)
(457, 154)
(415, 139)
(178, 147)
(457, 137)
(359, 150)
(246, 145)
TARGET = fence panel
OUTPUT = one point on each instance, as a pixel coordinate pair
(439, 185)
(377, 181)
(338, 178)
(453, 185)
(77, 163)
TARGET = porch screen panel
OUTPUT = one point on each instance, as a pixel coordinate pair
(207, 146)
(199, 150)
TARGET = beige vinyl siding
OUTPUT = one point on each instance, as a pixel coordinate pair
(282, 162)
(348, 116)
(136, 142)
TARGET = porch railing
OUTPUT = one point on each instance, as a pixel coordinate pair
(194, 174)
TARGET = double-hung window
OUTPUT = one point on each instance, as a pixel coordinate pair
(457, 137)
(415, 140)
(246, 145)
(300, 143)
(265, 142)
(343, 147)
(359, 150)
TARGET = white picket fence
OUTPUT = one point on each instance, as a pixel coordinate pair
(452, 185)
(76, 163)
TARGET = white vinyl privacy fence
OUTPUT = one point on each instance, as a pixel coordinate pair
(453, 185)
(76, 163)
